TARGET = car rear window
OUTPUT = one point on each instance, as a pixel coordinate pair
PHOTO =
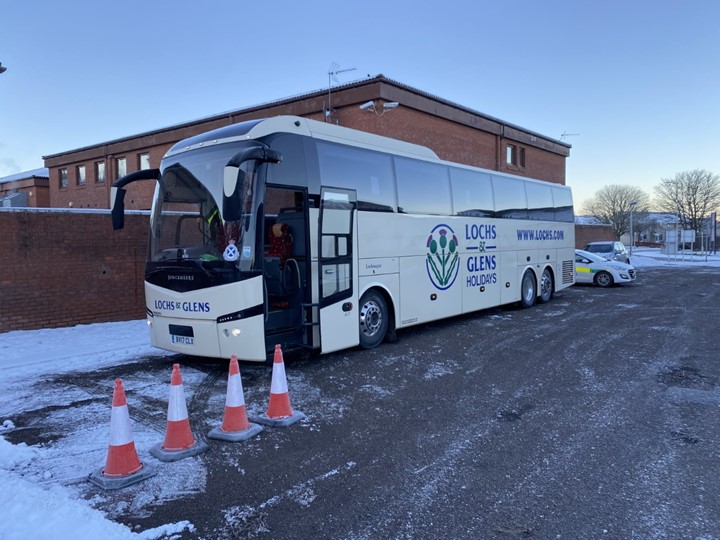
(599, 248)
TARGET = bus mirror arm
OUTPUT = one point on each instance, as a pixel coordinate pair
(117, 194)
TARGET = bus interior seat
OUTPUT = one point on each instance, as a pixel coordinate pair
(294, 218)
(281, 272)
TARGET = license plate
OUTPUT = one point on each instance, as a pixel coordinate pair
(182, 340)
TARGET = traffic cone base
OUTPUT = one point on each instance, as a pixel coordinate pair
(235, 436)
(176, 455)
(284, 421)
(118, 482)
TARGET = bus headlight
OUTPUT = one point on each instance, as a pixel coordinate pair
(235, 332)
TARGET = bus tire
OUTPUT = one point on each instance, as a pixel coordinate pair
(528, 289)
(373, 319)
(546, 287)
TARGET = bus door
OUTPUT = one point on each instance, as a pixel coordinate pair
(339, 322)
(285, 266)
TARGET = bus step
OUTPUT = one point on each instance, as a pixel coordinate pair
(309, 323)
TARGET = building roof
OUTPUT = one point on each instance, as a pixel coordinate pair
(35, 173)
(316, 93)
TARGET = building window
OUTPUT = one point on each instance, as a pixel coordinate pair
(143, 161)
(121, 167)
(62, 176)
(100, 172)
(80, 175)
(515, 156)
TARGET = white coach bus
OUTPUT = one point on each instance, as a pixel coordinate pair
(292, 231)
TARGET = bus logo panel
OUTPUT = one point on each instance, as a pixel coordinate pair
(442, 258)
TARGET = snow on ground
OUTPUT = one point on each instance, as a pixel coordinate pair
(40, 504)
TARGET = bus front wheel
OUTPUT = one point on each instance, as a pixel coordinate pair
(373, 319)
(528, 289)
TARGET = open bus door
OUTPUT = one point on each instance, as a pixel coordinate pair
(336, 265)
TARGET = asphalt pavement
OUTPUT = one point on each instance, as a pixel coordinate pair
(593, 416)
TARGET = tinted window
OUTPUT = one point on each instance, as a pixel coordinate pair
(510, 199)
(423, 188)
(291, 170)
(369, 173)
(540, 201)
(472, 193)
(562, 199)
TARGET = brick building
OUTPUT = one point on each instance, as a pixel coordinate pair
(26, 189)
(82, 178)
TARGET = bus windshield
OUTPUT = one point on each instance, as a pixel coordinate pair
(186, 219)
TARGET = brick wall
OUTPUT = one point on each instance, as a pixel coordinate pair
(592, 233)
(67, 267)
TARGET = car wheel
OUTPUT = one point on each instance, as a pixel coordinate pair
(528, 289)
(546, 287)
(373, 319)
(604, 279)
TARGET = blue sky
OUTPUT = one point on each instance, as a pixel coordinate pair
(637, 80)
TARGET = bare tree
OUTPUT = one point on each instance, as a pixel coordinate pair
(613, 204)
(692, 195)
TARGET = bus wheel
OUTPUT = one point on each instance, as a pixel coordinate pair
(546, 287)
(373, 319)
(528, 290)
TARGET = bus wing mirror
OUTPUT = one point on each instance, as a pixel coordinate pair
(232, 210)
(117, 196)
(232, 200)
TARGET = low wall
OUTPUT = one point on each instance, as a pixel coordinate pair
(67, 267)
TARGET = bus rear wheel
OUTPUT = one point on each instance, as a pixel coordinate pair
(528, 289)
(546, 287)
(373, 319)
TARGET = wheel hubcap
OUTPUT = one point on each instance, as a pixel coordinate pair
(545, 285)
(528, 289)
(370, 319)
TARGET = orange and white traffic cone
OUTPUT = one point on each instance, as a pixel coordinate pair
(123, 466)
(235, 426)
(279, 412)
(179, 441)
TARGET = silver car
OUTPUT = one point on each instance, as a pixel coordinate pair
(615, 251)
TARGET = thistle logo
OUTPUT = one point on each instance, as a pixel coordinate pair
(442, 258)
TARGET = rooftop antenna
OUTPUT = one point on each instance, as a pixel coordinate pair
(333, 71)
(565, 135)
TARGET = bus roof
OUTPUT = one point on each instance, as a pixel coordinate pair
(256, 129)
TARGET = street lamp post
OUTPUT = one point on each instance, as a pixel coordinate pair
(632, 233)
